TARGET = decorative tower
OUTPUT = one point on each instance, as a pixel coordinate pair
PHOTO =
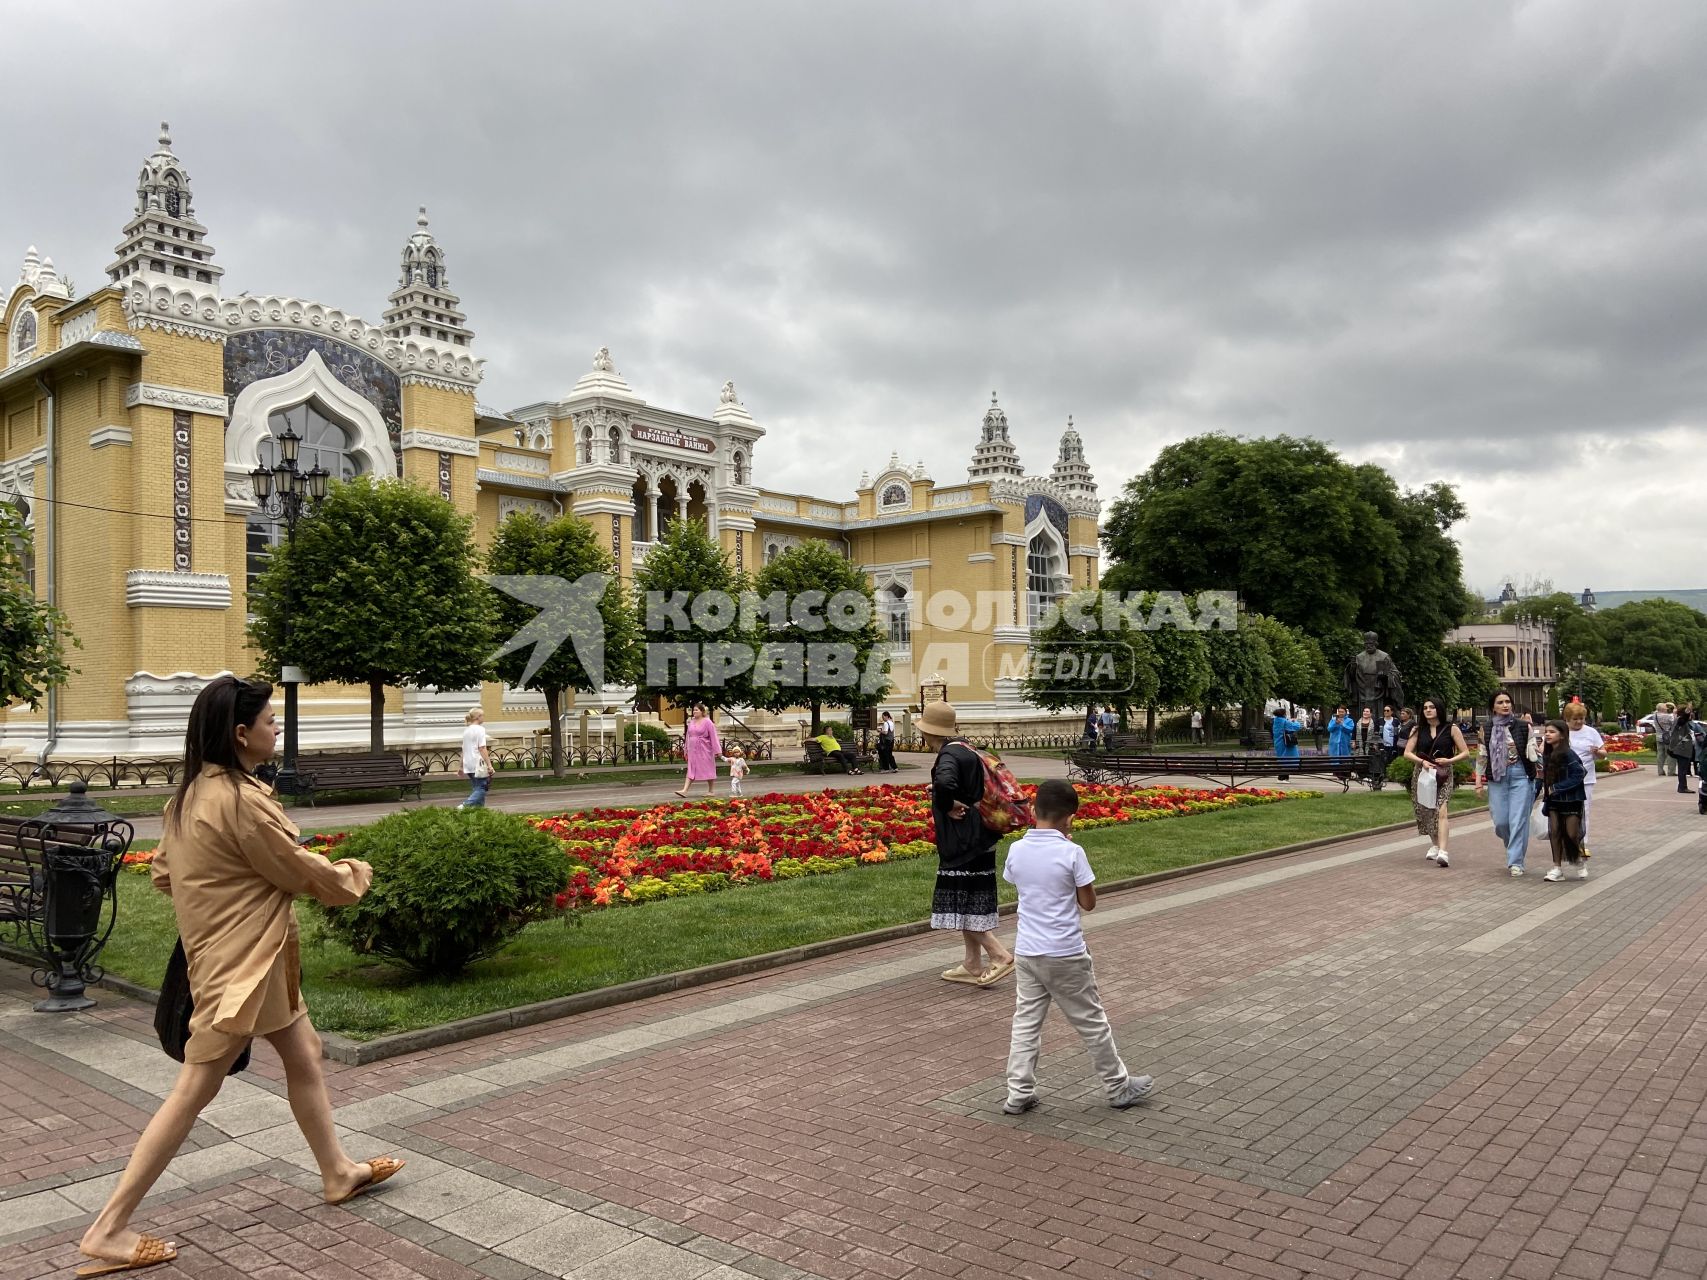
(163, 237)
(995, 455)
(1071, 472)
(422, 305)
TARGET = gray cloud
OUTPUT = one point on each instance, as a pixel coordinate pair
(1457, 237)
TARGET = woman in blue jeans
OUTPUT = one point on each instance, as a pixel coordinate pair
(1505, 771)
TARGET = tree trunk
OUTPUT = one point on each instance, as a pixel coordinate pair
(1150, 725)
(376, 714)
(553, 700)
(817, 717)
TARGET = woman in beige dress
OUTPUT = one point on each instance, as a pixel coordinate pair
(231, 864)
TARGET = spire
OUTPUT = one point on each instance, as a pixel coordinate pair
(39, 275)
(422, 305)
(1071, 470)
(163, 236)
(995, 455)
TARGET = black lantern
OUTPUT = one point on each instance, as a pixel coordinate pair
(83, 847)
(286, 492)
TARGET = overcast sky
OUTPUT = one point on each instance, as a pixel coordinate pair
(1463, 238)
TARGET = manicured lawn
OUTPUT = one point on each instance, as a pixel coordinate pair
(586, 951)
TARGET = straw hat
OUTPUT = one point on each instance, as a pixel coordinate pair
(939, 720)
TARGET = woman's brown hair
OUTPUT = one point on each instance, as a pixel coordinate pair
(211, 737)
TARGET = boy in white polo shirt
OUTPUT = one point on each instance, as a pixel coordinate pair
(1055, 883)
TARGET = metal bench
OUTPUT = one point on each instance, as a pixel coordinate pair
(1104, 767)
(21, 875)
(356, 771)
(817, 762)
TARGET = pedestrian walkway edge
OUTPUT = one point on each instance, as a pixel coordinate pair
(361, 1052)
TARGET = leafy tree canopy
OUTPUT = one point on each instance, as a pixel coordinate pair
(1302, 535)
(689, 603)
(819, 586)
(33, 634)
(378, 588)
(1655, 634)
(1081, 659)
(565, 548)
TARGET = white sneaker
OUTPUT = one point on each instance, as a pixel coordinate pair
(1516, 871)
(1554, 876)
(1441, 860)
(1433, 853)
(1582, 873)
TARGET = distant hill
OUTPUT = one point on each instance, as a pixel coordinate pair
(1694, 597)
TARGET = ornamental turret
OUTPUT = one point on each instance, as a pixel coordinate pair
(163, 236)
(1071, 471)
(422, 305)
(995, 455)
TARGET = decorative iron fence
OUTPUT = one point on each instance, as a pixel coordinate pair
(112, 772)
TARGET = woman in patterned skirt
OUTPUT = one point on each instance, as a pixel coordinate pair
(1434, 744)
(965, 897)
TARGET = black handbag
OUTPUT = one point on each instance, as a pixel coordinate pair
(1289, 737)
(173, 1010)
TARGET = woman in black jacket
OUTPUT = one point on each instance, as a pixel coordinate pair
(1681, 745)
(1563, 791)
(965, 896)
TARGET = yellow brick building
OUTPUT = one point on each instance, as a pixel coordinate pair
(131, 417)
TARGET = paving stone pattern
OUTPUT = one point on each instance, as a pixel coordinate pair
(1366, 1067)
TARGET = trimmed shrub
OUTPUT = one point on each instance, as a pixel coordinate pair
(1399, 771)
(449, 887)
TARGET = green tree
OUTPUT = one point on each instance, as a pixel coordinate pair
(1477, 682)
(1182, 674)
(1081, 662)
(1431, 675)
(825, 601)
(566, 548)
(33, 634)
(1300, 534)
(1646, 634)
(1300, 671)
(380, 589)
(1241, 672)
(690, 617)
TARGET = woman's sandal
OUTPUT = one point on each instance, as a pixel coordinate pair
(381, 1167)
(960, 973)
(150, 1251)
(996, 973)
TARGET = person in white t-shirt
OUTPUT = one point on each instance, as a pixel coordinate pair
(1589, 746)
(1196, 725)
(1055, 883)
(476, 760)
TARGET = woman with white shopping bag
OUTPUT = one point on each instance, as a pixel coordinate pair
(1435, 745)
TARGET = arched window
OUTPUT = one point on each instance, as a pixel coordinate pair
(23, 547)
(739, 467)
(616, 444)
(586, 446)
(325, 443)
(432, 272)
(172, 199)
(897, 615)
(770, 552)
(24, 333)
(894, 495)
(1044, 565)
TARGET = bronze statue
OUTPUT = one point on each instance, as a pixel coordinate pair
(1372, 681)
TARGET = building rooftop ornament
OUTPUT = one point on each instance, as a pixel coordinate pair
(163, 236)
(39, 275)
(730, 411)
(1071, 471)
(864, 480)
(995, 455)
(604, 380)
(919, 470)
(422, 305)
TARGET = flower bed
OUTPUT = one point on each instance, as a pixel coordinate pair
(1625, 743)
(1618, 766)
(640, 855)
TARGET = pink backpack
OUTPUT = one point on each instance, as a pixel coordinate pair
(1002, 806)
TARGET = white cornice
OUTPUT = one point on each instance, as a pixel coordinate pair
(981, 557)
(1093, 552)
(1008, 539)
(164, 588)
(443, 384)
(598, 475)
(100, 437)
(440, 443)
(152, 393)
(602, 507)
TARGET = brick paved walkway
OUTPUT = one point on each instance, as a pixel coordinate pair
(1366, 1067)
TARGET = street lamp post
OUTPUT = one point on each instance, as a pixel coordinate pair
(284, 492)
(1579, 666)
